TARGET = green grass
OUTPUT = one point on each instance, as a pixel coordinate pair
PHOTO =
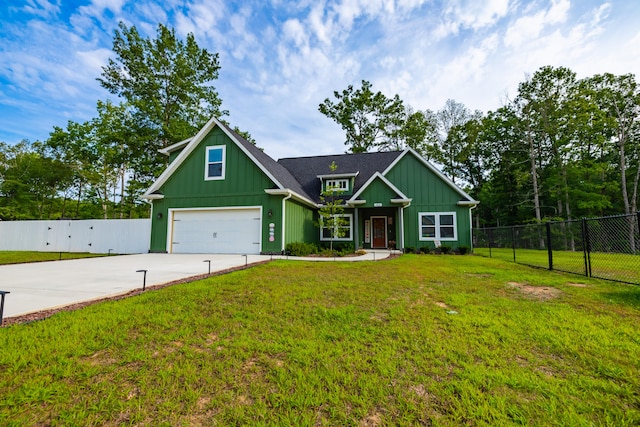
(17, 257)
(433, 340)
(621, 267)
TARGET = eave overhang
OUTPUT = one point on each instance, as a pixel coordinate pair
(293, 194)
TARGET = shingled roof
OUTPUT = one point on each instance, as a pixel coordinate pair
(307, 169)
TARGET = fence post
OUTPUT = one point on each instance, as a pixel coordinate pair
(513, 242)
(584, 246)
(549, 251)
(587, 238)
(490, 232)
(637, 243)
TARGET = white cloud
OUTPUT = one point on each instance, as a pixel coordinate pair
(43, 8)
(529, 27)
(470, 14)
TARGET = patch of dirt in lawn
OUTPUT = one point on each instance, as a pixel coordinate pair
(577, 285)
(441, 305)
(542, 293)
(372, 420)
(481, 275)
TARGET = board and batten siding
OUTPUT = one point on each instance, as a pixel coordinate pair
(243, 185)
(430, 194)
(378, 192)
(300, 223)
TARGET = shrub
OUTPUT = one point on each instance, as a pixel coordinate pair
(445, 249)
(425, 249)
(301, 248)
(463, 250)
(409, 250)
(339, 249)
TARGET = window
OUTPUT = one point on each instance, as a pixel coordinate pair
(341, 185)
(214, 164)
(437, 226)
(344, 228)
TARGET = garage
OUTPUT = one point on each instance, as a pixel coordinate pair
(215, 231)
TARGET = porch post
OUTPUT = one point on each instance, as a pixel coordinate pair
(401, 239)
(356, 225)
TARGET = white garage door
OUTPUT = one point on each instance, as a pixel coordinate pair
(216, 231)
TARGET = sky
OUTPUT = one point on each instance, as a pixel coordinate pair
(280, 59)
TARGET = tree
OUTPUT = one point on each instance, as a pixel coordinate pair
(30, 182)
(374, 121)
(167, 80)
(331, 219)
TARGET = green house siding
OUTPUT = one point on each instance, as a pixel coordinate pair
(243, 185)
(429, 193)
(299, 223)
(378, 192)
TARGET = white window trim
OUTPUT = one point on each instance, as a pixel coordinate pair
(206, 163)
(336, 184)
(346, 238)
(437, 226)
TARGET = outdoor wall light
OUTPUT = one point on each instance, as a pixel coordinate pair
(159, 216)
(270, 213)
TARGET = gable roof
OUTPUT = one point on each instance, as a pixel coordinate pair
(361, 165)
(468, 199)
(280, 176)
(299, 176)
(386, 182)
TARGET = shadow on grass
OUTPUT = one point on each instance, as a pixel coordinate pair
(630, 297)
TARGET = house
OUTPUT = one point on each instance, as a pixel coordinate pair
(222, 194)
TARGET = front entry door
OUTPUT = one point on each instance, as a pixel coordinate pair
(379, 226)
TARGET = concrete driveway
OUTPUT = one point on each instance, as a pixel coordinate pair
(46, 285)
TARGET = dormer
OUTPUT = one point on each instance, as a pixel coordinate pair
(340, 182)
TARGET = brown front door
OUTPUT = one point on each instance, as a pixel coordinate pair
(379, 226)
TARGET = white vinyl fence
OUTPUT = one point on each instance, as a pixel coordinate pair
(121, 236)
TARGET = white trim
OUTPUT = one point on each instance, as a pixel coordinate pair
(437, 227)
(339, 175)
(171, 211)
(152, 196)
(167, 150)
(296, 196)
(433, 169)
(386, 231)
(207, 162)
(193, 143)
(384, 180)
(337, 186)
(340, 239)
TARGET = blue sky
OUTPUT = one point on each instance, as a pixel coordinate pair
(280, 59)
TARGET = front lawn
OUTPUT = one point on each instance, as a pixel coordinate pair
(17, 257)
(421, 339)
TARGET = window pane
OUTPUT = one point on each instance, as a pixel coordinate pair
(446, 219)
(326, 234)
(428, 220)
(215, 169)
(446, 232)
(428, 232)
(215, 155)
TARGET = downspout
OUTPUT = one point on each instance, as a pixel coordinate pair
(402, 208)
(471, 228)
(284, 200)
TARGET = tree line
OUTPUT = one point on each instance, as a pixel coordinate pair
(562, 148)
(99, 168)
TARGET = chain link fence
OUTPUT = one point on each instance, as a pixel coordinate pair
(606, 247)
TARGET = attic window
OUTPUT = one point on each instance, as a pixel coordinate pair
(214, 163)
(341, 185)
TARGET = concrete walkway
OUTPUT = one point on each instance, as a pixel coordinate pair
(47, 285)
